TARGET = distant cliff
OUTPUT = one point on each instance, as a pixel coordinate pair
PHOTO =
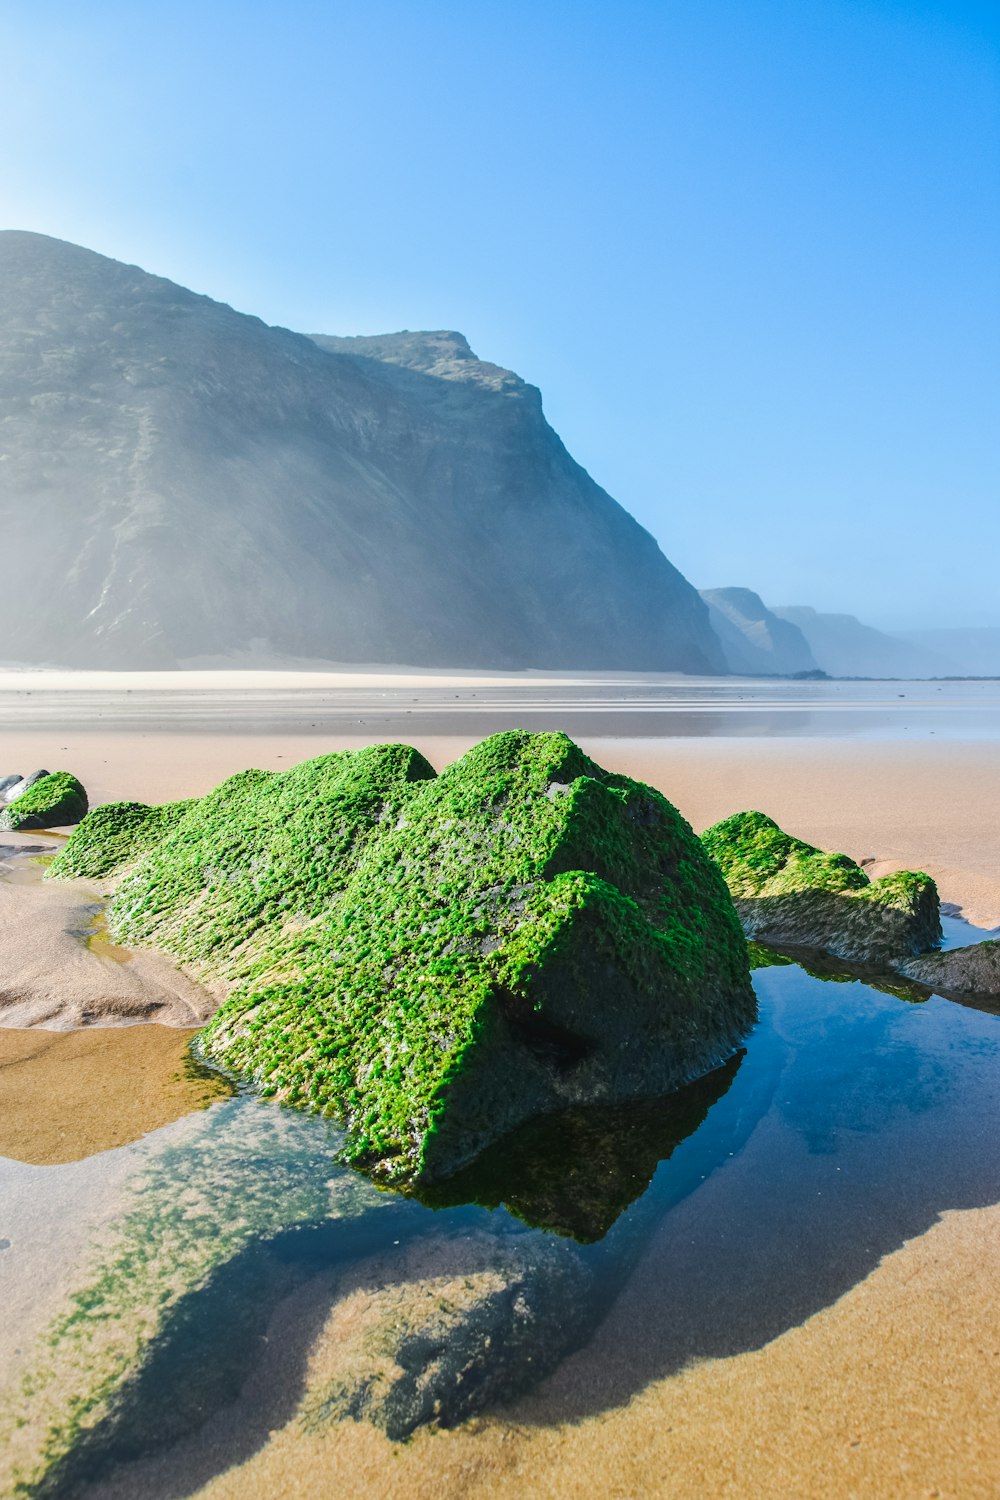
(180, 480)
(845, 647)
(755, 641)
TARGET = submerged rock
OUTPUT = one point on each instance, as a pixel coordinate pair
(435, 960)
(444, 1328)
(791, 894)
(44, 800)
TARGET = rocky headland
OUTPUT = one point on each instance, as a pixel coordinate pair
(203, 485)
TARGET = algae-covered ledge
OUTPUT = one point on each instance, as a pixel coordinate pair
(792, 894)
(435, 959)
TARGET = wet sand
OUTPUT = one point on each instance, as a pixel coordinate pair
(65, 1095)
(59, 970)
(890, 1392)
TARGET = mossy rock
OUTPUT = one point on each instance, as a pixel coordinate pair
(434, 960)
(790, 894)
(758, 858)
(54, 801)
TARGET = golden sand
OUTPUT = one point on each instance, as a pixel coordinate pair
(890, 1394)
(65, 1095)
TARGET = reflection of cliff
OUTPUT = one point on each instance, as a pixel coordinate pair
(575, 1172)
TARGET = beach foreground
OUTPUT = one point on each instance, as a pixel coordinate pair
(890, 1391)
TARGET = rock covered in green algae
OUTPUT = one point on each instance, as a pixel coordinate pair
(790, 893)
(54, 801)
(434, 960)
(444, 1328)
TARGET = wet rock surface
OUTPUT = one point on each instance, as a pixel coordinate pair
(440, 1331)
(972, 972)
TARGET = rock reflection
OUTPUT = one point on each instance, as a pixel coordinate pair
(574, 1173)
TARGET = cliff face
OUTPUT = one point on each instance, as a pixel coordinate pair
(753, 638)
(180, 480)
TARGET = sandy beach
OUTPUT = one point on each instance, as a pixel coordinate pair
(891, 1391)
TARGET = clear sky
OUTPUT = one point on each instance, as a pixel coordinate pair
(749, 249)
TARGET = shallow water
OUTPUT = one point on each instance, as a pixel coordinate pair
(377, 704)
(154, 1272)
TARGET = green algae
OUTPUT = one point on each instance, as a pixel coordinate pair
(758, 858)
(53, 801)
(432, 960)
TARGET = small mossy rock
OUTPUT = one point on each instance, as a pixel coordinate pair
(434, 960)
(55, 800)
(972, 972)
(758, 858)
(790, 894)
(445, 1328)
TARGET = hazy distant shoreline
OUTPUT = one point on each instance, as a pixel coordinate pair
(402, 703)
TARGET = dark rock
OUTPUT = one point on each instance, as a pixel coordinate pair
(961, 972)
(19, 787)
(574, 1173)
(7, 782)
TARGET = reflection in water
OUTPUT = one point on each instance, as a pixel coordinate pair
(728, 1213)
(574, 1173)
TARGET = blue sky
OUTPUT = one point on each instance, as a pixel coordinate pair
(749, 249)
